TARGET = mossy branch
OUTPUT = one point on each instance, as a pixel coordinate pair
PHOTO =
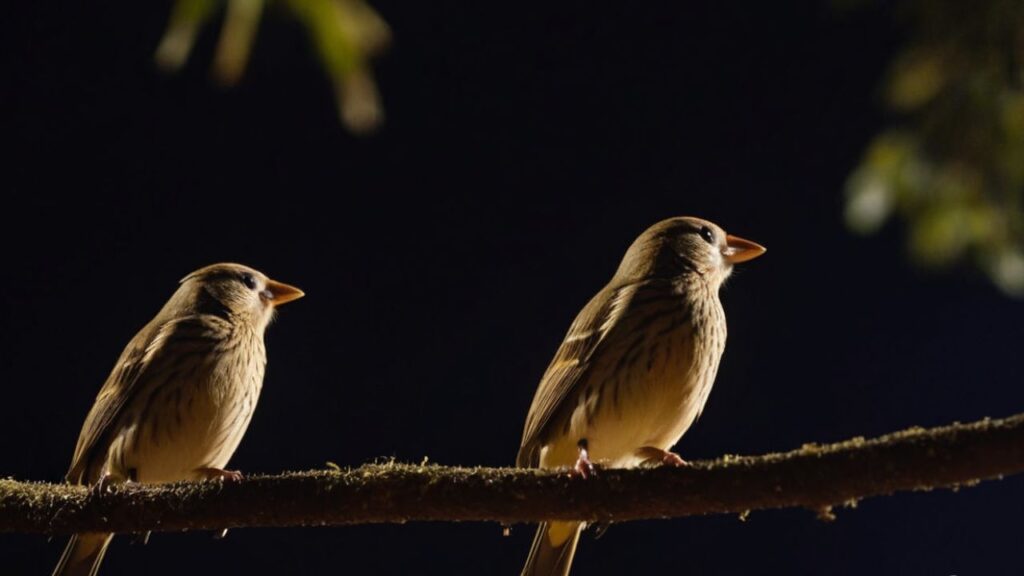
(813, 477)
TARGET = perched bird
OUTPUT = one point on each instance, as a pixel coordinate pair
(181, 395)
(635, 369)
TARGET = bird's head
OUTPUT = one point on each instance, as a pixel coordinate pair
(683, 246)
(238, 293)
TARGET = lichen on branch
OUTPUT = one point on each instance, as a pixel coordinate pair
(816, 477)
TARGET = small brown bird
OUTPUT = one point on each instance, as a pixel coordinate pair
(181, 395)
(635, 369)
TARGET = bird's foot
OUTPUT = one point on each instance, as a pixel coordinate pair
(220, 474)
(584, 467)
(210, 473)
(673, 459)
(651, 456)
(105, 482)
(101, 485)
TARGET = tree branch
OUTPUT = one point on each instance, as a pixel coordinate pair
(814, 477)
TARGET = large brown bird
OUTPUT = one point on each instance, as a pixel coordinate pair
(181, 395)
(635, 369)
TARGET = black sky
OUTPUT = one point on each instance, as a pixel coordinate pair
(526, 145)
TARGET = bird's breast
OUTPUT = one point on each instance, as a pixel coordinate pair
(648, 386)
(195, 419)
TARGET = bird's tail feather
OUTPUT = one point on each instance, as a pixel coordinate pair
(553, 549)
(83, 554)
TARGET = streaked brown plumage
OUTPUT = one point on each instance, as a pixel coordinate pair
(181, 395)
(635, 368)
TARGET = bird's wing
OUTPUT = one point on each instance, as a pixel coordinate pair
(152, 353)
(586, 335)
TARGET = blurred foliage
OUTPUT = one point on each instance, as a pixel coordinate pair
(345, 34)
(953, 169)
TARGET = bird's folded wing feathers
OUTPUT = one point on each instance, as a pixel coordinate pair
(570, 365)
(149, 353)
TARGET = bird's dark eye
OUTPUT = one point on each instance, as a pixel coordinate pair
(249, 280)
(707, 235)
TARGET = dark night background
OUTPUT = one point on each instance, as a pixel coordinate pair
(443, 258)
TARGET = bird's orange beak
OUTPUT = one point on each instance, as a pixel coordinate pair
(740, 250)
(282, 293)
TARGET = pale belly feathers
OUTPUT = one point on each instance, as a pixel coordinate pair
(656, 402)
(188, 423)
